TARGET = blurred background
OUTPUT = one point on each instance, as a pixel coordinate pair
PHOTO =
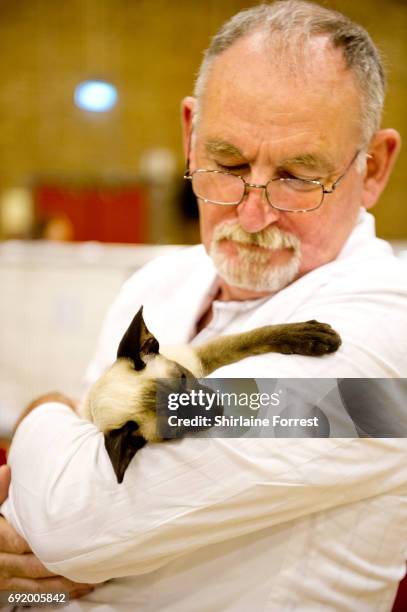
(87, 195)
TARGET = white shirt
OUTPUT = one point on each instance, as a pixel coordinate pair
(231, 524)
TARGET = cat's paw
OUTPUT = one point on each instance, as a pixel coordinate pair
(310, 338)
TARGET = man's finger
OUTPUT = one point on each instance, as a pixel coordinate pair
(10, 541)
(22, 566)
(5, 476)
(57, 584)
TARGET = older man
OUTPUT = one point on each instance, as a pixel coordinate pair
(285, 155)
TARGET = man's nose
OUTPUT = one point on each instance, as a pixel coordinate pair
(254, 212)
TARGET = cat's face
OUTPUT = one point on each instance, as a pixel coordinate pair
(129, 403)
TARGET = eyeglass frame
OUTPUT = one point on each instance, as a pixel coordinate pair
(188, 175)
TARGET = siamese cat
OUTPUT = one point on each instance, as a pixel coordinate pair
(122, 403)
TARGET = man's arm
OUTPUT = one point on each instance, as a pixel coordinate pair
(176, 497)
(54, 396)
(5, 476)
(20, 570)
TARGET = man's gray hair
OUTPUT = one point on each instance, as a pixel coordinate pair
(296, 21)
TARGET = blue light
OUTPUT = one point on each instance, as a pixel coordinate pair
(95, 96)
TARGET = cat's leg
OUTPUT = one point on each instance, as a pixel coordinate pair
(308, 338)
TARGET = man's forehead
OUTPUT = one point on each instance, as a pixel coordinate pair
(249, 77)
(298, 58)
(309, 124)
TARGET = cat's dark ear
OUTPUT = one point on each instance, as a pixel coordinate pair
(138, 342)
(121, 445)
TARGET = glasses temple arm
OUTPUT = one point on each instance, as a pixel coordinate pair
(338, 180)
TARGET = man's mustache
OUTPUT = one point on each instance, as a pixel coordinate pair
(268, 238)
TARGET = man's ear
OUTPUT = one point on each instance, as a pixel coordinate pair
(121, 445)
(138, 342)
(187, 114)
(383, 151)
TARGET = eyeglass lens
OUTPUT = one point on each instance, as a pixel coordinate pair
(285, 193)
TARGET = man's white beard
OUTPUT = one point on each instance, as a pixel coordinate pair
(254, 269)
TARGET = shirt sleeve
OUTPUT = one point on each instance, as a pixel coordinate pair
(176, 497)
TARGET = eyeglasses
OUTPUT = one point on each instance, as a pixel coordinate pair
(286, 194)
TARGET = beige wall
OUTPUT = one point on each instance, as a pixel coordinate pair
(150, 49)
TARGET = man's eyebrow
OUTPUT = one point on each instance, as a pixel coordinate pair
(311, 161)
(307, 160)
(221, 147)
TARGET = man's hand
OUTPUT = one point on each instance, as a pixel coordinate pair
(20, 570)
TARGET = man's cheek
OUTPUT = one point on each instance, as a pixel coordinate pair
(208, 221)
(206, 233)
(210, 216)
